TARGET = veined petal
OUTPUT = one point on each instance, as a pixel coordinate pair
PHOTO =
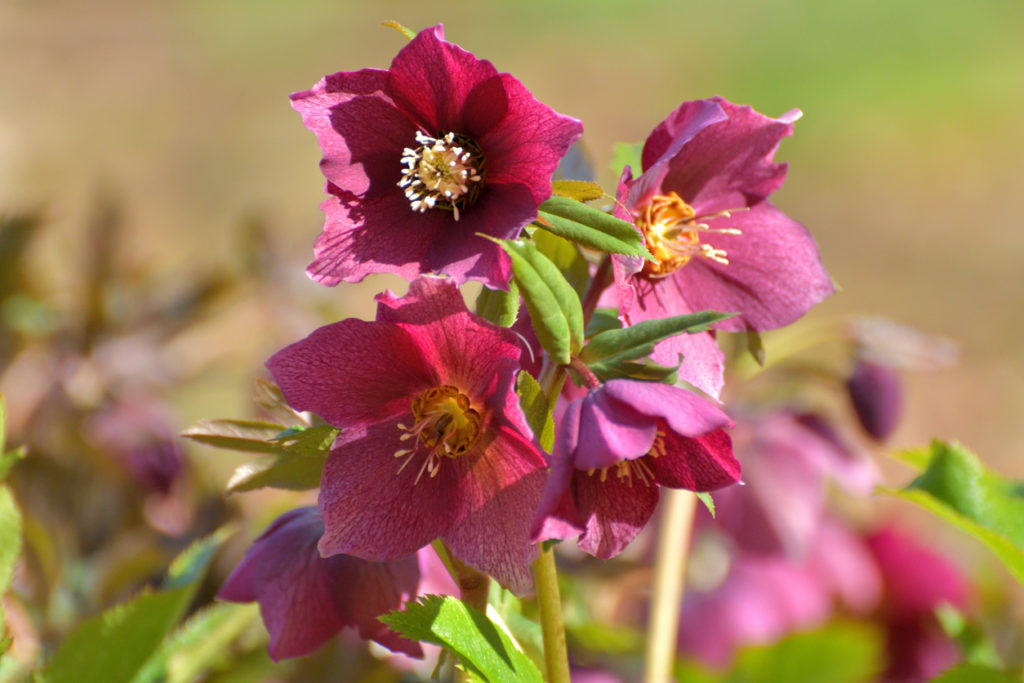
(686, 413)
(615, 511)
(610, 432)
(702, 463)
(678, 128)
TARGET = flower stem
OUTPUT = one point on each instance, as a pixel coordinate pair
(556, 656)
(669, 579)
(474, 585)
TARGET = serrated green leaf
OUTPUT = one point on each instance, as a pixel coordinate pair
(578, 190)
(591, 227)
(553, 305)
(536, 409)
(250, 436)
(602, 320)
(637, 341)
(567, 258)
(289, 471)
(198, 644)
(498, 306)
(114, 645)
(958, 488)
(10, 539)
(627, 154)
(709, 502)
(975, 673)
(483, 648)
(309, 441)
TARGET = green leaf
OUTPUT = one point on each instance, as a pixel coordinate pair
(10, 539)
(974, 673)
(591, 227)
(974, 642)
(755, 345)
(602, 320)
(958, 488)
(536, 409)
(113, 646)
(199, 644)
(553, 305)
(578, 190)
(289, 471)
(628, 369)
(7, 459)
(709, 502)
(627, 154)
(251, 436)
(567, 258)
(498, 306)
(482, 648)
(637, 341)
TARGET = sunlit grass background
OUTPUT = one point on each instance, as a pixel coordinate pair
(906, 166)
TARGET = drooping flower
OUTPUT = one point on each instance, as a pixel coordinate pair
(615, 446)
(422, 157)
(718, 243)
(306, 599)
(877, 396)
(433, 442)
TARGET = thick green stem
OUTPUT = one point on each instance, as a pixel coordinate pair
(556, 655)
(474, 585)
(679, 507)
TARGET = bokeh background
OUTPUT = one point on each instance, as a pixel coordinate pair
(906, 165)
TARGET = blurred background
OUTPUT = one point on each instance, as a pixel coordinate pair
(160, 197)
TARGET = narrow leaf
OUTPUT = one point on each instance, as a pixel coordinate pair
(10, 538)
(591, 227)
(536, 409)
(553, 305)
(709, 502)
(400, 28)
(627, 369)
(578, 190)
(637, 341)
(957, 487)
(252, 436)
(498, 306)
(755, 345)
(290, 471)
(974, 673)
(483, 648)
(567, 258)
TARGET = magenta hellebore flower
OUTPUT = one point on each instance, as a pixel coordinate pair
(718, 243)
(422, 157)
(433, 442)
(612, 448)
(306, 599)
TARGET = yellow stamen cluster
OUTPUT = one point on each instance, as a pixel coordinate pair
(672, 234)
(444, 424)
(627, 469)
(445, 172)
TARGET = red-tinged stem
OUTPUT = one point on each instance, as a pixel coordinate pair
(603, 277)
(678, 510)
(556, 655)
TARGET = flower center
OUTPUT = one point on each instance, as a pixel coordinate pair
(672, 234)
(444, 425)
(627, 469)
(445, 173)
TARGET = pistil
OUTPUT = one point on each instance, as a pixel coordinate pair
(672, 233)
(444, 425)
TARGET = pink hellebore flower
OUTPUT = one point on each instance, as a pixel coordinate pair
(422, 157)
(306, 599)
(433, 442)
(701, 206)
(613, 445)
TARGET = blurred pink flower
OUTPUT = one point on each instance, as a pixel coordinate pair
(615, 446)
(718, 243)
(916, 581)
(877, 396)
(433, 442)
(306, 599)
(422, 157)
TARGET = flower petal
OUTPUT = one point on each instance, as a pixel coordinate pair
(702, 463)
(686, 413)
(728, 165)
(610, 432)
(615, 511)
(557, 516)
(346, 373)
(679, 128)
(373, 511)
(774, 275)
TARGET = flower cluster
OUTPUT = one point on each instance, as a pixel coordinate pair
(434, 167)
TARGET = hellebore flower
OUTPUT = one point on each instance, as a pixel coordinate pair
(611, 449)
(916, 581)
(422, 157)
(718, 244)
(306, 599)
(877, 397)
(433, 442)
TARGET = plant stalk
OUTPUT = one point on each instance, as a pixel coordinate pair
(556, 655)
(669, 580)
